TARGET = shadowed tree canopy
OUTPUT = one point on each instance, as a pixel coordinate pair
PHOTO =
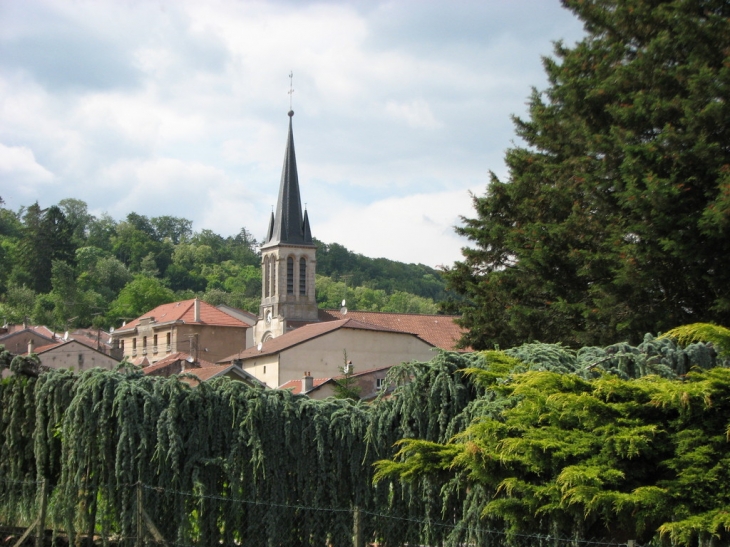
(615, 217)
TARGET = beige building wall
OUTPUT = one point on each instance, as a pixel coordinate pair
(264, 369)
(323, 356)
(213, 342)
(77, 357)
(219, 341)
(17, 342)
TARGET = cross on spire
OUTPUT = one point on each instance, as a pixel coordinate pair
(291, 92)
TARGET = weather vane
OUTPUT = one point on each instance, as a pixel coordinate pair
(291, 90)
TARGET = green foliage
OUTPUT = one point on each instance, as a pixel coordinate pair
(346, 387)
(702, 332)
(46, 236)
(615, 217)
(26, 365)
(336, 262)
(139, 296)
(18, 304)
(330, 295)
(560, 453)
(477, 440)
(102, 257)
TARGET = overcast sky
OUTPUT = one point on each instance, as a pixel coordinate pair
(179, 108)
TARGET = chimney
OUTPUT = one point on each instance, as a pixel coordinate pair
(307, 382)
(196, 311)
(30, 346)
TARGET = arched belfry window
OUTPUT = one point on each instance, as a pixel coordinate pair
(302, 276)
(267, 274)
(290, 275)
(273, 275)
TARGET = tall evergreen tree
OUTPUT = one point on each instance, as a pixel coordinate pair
(615, 218)
(46, 236)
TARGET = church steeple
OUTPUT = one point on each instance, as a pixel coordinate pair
(288, 259)
(290, 227)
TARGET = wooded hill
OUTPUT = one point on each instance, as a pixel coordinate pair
(63, 267)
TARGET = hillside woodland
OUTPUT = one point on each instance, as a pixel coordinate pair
(63, 267)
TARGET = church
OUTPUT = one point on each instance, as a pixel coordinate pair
(293, 339)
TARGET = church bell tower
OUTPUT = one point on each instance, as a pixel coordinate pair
(288, 259)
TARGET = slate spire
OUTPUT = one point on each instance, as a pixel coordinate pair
(289, 225)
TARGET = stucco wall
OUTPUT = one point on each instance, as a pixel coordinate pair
(17, 342)
(265, 369)
(77, 357)
(219, 341)
(323, 356)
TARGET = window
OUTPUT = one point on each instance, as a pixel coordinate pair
(264, 369)
(134, 343)
(121, 345)
(302, 276)
(267, 273)
(154, 344)
(290, 275)
(144, 345)
(379, 383)
(273, 276)
(169, 344)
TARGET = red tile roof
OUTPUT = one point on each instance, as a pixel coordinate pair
(438, 330)
(203, 370)
(174, 358)
(39, 329)
(141, 361)
(296, 385)
(41, 349)
(303, 334)
(184, 311)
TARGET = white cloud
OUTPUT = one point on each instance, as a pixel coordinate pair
(415, 113)
(180, 108)
(417, 228)
(18, 168)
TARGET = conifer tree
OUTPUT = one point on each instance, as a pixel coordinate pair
(615, 217)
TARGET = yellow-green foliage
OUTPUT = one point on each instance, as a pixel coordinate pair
(702, 332)
(643, 458)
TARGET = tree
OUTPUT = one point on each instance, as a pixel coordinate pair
(78, 217)
(555, 452)
(346, 385)
(46, 236)
(615, 218)
(175, 228)
(139, 296)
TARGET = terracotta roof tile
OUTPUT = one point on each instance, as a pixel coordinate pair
(438, 330)
(40, 330)
(295, 386)
(302, 334)
(174, 358)
(185, 311)
(41, 349)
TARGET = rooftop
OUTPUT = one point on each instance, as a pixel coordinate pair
(303, 334)
(184, 312)
(438, 330)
